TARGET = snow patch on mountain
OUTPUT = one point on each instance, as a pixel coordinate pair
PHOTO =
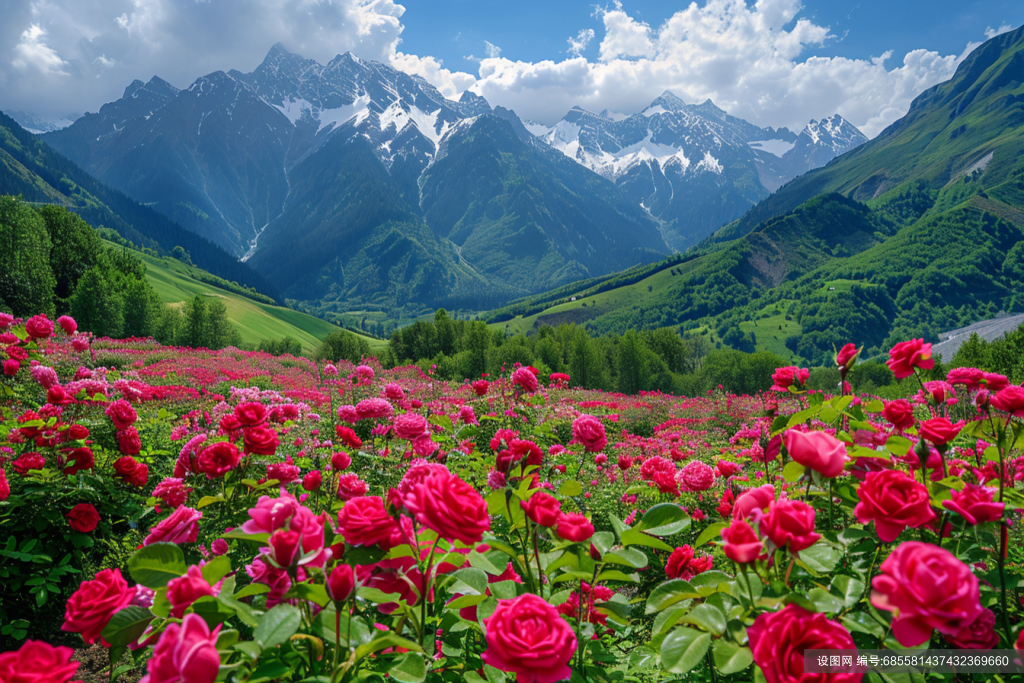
(776, 147)
(358, 110)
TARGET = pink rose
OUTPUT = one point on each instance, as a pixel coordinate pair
(39, 327)
(899, 413)
(185, 653)
(778, 641)
(341, 583)
(448, 505)
(1009, 400)
(37, 662)
(980, 634)
(893, 501)
(740, 544)
(574, 527)
(588, 430)
(122, 414)
(250, 414)
(784, 378)
(182, 526)
(411, 426)
(697, 476)
(68, 324)
(906, 356)
(927, 588)
(91, 607)
(789, 523)
(753, 499)
(526, 636)
(974, 503)
(818, 451)
(364, 521)
(218, 459)
(525, 380)
(846, 356)
(184, 590)
(939, 431)
(270, 514)
(542, 508)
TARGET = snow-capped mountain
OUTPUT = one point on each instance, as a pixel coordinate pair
(37, 124)
(352, 180)
(694, 167)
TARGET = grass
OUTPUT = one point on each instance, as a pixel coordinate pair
(255, 321)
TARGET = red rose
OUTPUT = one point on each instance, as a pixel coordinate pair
(928, 588)
(312, 481)
(818, 451)
(411, 426)
(481, 386)
(588, 430)
(185, 653)
(5, 488)
(348, 436)
(683, 565)
(38, 662)
(784, 378)
(975, 504)
(351, 486)
(218, 459)
(525, 380)
(341, 582)
(542, 508)
(528, 637)
(451, 507)
(340, 461)
(778, 641)
(68, 324)
(939, 431)
(11, 367)
(980, 634)
(79, 459)
(1009, 400)
(364, 521)
(90, 608)
(26, 462)
(846, 356)
(789, 523)
(285, 548)
(625, 462)
(969, 377)
(906, 356)
(78, 432)
(727, 468)
(753, 499)
(249, 414)
(994, 381)
(39, 327)
(128, 441)
(83, 517)
(899, 413)
(574, 527)
(893, 501)
(184, 590)
(56, 396)
(131, 471)
(121, 414)
(230, 425)
(260, 440)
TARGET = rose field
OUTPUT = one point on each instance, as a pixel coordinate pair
(185, 515)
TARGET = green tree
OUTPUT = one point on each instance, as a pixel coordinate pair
(630, 363)
(445, 332)
(26, 279)
(342, 345)
(477, 344)
(74, 248)
(96, 305)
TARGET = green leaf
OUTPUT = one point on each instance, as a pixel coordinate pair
(628, 557)
(861, 622)
(209, 500)
(825, 601)
(614, 575)
(570, 488)
(277, 625)
(409, 668)
(713, 532)
(239, 535)
(707, 617)
(730, 658)
(252, 589)
(213, 610)
(668, 594)
(216, 569)
(821, 558)
(156, 564)
(127, 625)
(383, 642)
(793, 471)
(683, 649)
(469, 581)
(637, 537)
(663, 519)
(848, 588)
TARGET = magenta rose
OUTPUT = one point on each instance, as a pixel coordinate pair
(341, 583)
(68, 324)
(184, 590)
(90, 608)
(364, 521)
(753, 499)
(186, 652)
(740, 544)
(778, 641)
(261, 440)
(182, 526)
(270, 514)
(128, 441)
(899, 413)
(789, 523)
(527, 636)
(906, 356)
(250, 414)
(574, 527)
(588, 430)
(980, 634)
(697, 476)
(846, 356)
(893, 501)
(543, 509)
(927, 588)
(451, 507)
(1009, 400)
(411, 426)
(974, 503)
(818, 451)
(939, 431)
(784, 378)
(525, 380)
(122, 414)
(38, 662)
(39, 327)
(218, 459)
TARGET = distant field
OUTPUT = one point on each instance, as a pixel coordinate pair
(255, 321)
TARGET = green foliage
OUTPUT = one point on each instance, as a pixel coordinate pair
(26, 279)
(342, 345)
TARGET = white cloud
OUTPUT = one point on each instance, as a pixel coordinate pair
(32, 54)
(491, 50)
(578, 44)
(993, 32)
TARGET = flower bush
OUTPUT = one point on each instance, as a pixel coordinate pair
(232, 516)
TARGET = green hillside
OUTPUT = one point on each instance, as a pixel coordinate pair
(175, 282)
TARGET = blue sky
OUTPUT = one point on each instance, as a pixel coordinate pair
(533, 30)
(773, 62)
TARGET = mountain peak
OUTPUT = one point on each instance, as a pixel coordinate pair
(668, 101)
(132, 88)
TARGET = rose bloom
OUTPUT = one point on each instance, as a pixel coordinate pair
(128, 441)
(68, 324)
(172, 492)
(588, 430)
(783, 378)
(11, 368)
(37, 662)
(980, 634)
(448, 505)
(818, 451)
(574, 527)
(939, 431)
(682, 564)
(753, 499)
(846, 356)
(351, 486)
(789, 523)
(778, 641)
(57, 396)
(727, 468)
(893, 501)
(347, 436)
(5, 488)
(906, 356)
(90, 608)
(284, 472)
(995, 382)
(83, 517)
(480, 387)
(312, 481)
(543, 509)
(364, 521)
(184, 590)
(121, 414)
(411, 426)
(899, 413)
(185, 653)
(340, 461)
(218, 459)
(373, 409)
(697, 476)
(969, 377)
(525, 380)
(131, 471)
(740, 544)
(927, 588)
(341, 583)
(526, 636)
(1009, 400)
(181, 527)
(270, 514)
(250, 414)
(39, 327)
(80, 459)
(974, 503)
(260, 440)
(26, 462)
